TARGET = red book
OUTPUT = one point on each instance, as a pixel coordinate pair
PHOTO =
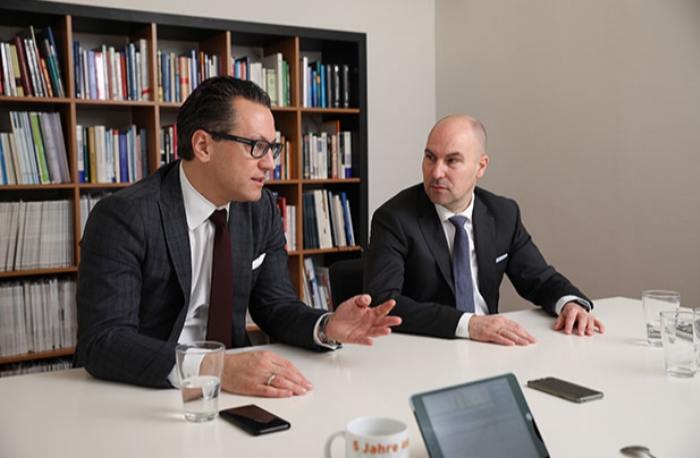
(125, 91)
(23, 66)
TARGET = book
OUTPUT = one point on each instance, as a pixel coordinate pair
(80, 153)
(313, 284)
(275, 62)
(17, 83)
(144, 70)
(345, 86)
(25, 77)
(349, 232)
(304, 78)
(51, 55)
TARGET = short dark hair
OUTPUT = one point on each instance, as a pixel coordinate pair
(210, 108)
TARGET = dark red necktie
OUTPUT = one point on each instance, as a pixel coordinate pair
(219, 325)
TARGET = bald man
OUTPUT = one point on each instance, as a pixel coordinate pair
(420, 235)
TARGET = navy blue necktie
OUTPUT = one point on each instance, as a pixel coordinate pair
(219, 324)
(461, 266)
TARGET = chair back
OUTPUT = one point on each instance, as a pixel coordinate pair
(346, 280)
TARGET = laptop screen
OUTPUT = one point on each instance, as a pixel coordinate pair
(486, 418)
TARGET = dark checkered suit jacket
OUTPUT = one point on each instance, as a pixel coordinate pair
(135, 278)
(409, 260)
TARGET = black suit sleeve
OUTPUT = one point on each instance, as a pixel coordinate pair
(117, 340)
(399, 266)
(532, 277)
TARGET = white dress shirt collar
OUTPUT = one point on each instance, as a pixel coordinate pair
(446, 214)
(197, 208)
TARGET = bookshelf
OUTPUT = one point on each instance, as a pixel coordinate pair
(175, 35)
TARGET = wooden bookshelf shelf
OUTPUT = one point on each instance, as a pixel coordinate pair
(228, 39)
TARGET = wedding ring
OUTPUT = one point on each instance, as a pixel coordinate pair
(269, 381)
(499, 331)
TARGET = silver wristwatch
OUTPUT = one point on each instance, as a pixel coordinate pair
(322, 332)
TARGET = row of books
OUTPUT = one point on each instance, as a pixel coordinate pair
(107, 73)
(36, 235)
(34, 152)
(179, 75)
(168, 144)
(87, 203)
(327, 155)
(36, 367)
(317, 286)
(111, 155)
(37, 315)
(289, 221)
(270, 73)
(283, 163)
(30, 66)
(324, 85)
(327, 219)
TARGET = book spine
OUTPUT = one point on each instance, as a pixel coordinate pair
(80, 152)
(23, 67)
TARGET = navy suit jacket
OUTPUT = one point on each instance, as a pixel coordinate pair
(135, 278)
(409, 260)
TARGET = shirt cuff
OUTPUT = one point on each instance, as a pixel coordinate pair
(462, 331)
(193, 368)
(317, 341)
(566, 299)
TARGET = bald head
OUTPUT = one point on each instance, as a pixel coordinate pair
(464, 127)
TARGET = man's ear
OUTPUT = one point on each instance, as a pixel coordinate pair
(201, 142)
(483, 163)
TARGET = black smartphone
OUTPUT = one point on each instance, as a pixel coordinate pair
(254, 420)
(564, 389)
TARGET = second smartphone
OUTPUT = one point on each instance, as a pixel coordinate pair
(564, 389)
(254, 420)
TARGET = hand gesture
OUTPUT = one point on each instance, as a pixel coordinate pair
(355, 322)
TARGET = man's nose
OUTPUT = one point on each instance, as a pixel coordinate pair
(267, 162)
(438, 170)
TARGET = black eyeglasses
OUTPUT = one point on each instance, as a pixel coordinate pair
(258, 148)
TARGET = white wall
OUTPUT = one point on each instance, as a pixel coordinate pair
(593, 113)
(400, 61)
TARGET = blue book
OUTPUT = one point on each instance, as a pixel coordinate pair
(78, 69)
(131, 71)
(3, 176)
(350, 234)
(323, 87)
(194, 74)
(165, 61)
(314, 90)
(92, 76)
(123, 160)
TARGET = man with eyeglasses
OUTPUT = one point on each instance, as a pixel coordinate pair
(148, 259)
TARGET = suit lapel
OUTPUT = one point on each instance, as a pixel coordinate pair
(434, 236)
(485, 246)
(174, 221)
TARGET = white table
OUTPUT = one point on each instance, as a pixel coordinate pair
(71, 414)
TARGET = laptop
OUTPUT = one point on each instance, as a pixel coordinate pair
(486, 418)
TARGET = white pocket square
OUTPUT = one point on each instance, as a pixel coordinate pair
(501, 258)
(258, 261)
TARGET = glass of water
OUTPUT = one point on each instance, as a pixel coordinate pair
(199, 367)
(680, 345)
(655, 301)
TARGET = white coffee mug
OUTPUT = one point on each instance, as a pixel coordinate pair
(374, 437)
